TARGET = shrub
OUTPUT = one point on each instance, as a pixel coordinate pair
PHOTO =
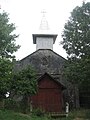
(11, 104)
(38, 112)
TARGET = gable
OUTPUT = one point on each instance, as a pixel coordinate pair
(43, 60)
(46, 81)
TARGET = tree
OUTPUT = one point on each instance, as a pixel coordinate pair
(7, 37)
(5, 77)
(24, 84)
(77, 71)
(76, 34)
(7, 48)
(76, 42)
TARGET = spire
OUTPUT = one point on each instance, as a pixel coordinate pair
(44, 22)
(44, 39)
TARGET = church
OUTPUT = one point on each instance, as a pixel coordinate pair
(53, 89)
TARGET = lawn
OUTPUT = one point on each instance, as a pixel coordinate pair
(10, 115)
(75, 115)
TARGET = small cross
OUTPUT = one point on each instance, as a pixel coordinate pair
(43, 12)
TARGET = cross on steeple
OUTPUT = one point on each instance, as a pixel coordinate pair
(43, 12)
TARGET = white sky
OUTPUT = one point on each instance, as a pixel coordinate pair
(26, 14)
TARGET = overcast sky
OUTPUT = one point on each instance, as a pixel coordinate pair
(26, 14)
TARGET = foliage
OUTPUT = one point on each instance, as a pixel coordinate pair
(24, 82)
(76, 42)
(5, 76)
(78, 71)
(76, 34)
(7, 48)
(38, 112)
(7, 37)
(11, 104)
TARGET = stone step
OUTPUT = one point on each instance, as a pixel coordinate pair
(58, 115)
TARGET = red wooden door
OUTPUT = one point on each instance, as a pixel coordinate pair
(49, 96)
(49, 100)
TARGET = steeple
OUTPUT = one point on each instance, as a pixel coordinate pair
(44, 22)
(44, 39)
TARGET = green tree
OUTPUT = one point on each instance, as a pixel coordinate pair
(7, 37)
(25, 84)
(76, 34)
(77, 71)
(7, 48)
(76, 42)
(5, 77)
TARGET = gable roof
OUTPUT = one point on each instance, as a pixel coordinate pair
(58, 82)
(41, 51)
(43, 60)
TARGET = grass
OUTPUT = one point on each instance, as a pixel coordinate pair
(82, 114)
(74, 115)
(10, 115)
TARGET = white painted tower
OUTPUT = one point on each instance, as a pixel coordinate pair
(44, 39)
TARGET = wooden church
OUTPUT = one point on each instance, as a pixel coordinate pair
(53, 90)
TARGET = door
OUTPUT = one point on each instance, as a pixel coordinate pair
(49, 100)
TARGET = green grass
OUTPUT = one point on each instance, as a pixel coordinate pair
(74, 115)
(82, 114)
(10, 115)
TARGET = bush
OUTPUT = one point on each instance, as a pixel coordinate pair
(11, 104)
(38, 112)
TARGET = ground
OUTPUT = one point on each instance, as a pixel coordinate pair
(75, 115)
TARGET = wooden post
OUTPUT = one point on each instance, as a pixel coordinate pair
(30, 106)
(67, 109)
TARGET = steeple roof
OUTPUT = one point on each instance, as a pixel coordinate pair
(44, 39)
(44, 23)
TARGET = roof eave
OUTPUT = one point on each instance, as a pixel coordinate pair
(54, 36)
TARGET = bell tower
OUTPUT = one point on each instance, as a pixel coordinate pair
(45, 39)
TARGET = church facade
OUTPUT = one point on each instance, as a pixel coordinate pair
(53, 89)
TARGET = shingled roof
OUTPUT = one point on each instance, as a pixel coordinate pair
(44, 61)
